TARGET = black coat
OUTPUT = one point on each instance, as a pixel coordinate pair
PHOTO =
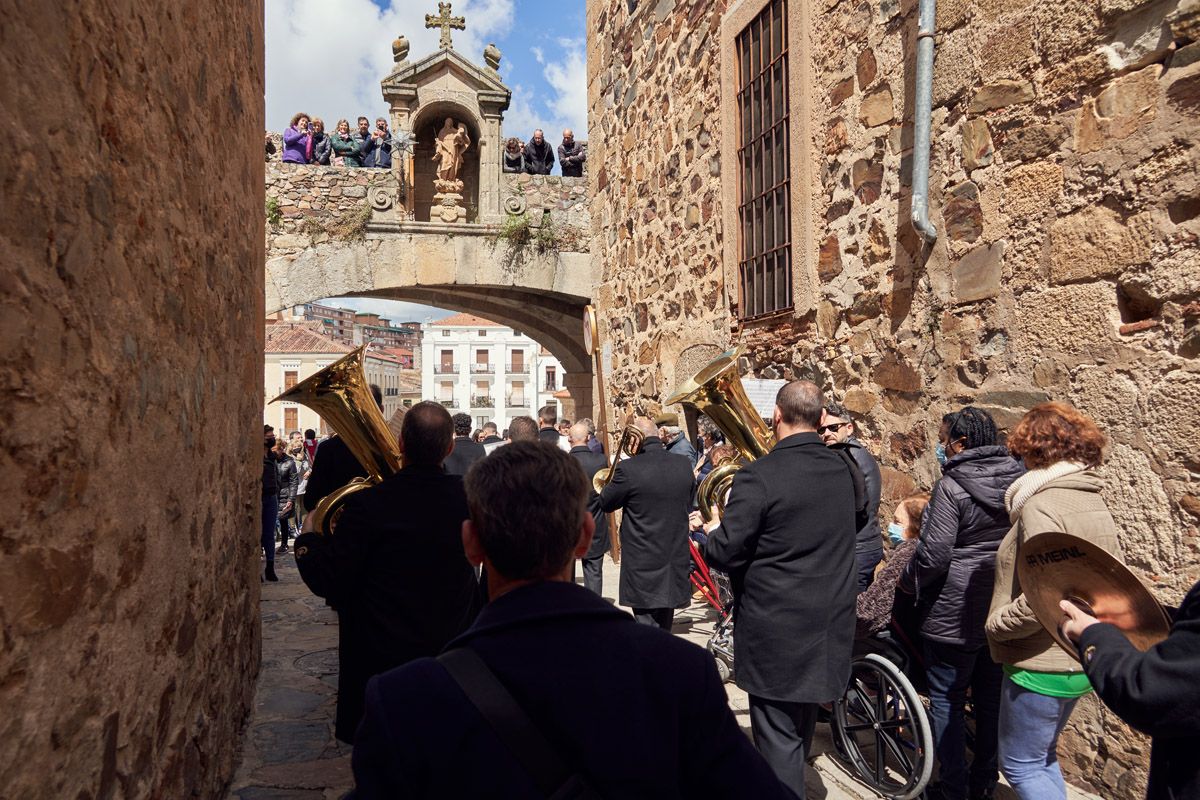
(289, 480)
(466, 452)
(954, 567)
(401, 582)
(593, 463)
(1157, 692)
(270, 476)
(655, 489)
(538, 160)
(333, 467)
(635, 711)
(549, 436)
(868, 539)
(787, 541)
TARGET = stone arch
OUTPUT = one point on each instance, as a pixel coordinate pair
(425, 124)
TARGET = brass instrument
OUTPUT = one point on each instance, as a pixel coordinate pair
(629, 444)
(341, 395)
(1052, 567)
(717, 392)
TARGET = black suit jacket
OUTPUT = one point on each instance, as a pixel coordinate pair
(637, 712)
(466, 452)
(787, 541)
(333, 467)
(402, 585)
(1157, 692)
(655, 489)
(549, 435)
(593, 463)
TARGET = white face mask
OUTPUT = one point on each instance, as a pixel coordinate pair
(895, 533)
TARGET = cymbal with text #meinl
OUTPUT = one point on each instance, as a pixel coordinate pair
(1058, 566)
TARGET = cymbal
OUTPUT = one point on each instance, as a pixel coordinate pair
(1058, 566)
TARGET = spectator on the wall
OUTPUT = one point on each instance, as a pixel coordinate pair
(378, 148)
(345, 151)
(297, 141)
(539, 155)
(322, 147)
(514, 156)
(571, 155)
(362, 140)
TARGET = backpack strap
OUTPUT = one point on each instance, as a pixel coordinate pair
(541, 761)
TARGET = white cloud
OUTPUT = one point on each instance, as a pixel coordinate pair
(327, 57)
(567, 76)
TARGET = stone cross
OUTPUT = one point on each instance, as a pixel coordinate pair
(445, 22)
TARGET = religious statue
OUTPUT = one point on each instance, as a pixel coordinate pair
(452, 142)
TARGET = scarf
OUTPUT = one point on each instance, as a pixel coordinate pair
(308, 147)
(1032, 481)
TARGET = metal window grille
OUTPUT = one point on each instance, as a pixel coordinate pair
(764, 188)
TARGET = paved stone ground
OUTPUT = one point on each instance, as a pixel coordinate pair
(289, 752)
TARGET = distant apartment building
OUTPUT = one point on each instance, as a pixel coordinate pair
(296, 350)
(356, 327)
(484, 369)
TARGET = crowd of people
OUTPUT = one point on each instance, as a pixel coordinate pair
(460, 616)
(305, 141)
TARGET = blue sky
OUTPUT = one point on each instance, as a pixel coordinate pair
(327, 57)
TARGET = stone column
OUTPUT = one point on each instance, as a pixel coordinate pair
(581, 404)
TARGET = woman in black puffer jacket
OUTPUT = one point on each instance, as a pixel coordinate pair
(951, 575)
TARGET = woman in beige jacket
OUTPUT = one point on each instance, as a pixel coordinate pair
(1060, 493)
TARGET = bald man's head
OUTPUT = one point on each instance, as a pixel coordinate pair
(578, 433)
(799, 404)
(646, 426)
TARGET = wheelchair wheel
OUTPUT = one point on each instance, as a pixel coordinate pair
(881, 729)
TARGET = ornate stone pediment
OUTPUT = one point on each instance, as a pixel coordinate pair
(446, 72)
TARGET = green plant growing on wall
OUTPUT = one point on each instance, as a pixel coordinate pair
(352, 227)
(274, 212)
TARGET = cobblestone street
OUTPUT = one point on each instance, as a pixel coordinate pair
(289, 752)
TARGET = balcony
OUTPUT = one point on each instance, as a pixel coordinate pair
(482, 369)
(445, 369)
(518, 368)
(518, 402)
(448, 403)
(483, 401)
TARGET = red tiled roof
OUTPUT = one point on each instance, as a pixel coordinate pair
(301, 337)
(561, 394)
(467, 321)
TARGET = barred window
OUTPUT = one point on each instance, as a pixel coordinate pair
(764, 195)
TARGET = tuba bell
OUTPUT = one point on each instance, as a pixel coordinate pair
(340, 394)
(629, 444)
(717, 392)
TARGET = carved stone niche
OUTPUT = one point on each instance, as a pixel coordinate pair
(422, 94)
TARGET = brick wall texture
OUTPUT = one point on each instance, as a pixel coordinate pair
(130, 366)
(1064, 187)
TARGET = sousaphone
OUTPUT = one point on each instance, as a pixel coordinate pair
(1058, 566)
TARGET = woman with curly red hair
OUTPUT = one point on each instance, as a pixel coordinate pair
(1060, 493)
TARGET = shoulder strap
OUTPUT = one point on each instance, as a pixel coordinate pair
(514, 727)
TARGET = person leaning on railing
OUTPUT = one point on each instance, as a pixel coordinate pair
(345, 151)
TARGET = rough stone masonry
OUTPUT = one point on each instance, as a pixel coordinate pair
(131, 369)
(1065, 188)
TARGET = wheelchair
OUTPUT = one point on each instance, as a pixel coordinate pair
(881, 729)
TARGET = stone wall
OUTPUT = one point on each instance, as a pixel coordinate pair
(130, 368)
(1064, 188)
(308, 204)
(565, 199)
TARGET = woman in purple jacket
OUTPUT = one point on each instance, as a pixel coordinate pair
(298, 141)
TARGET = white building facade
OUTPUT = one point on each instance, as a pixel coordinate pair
(483, 369)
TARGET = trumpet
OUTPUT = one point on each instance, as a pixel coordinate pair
(629, 444)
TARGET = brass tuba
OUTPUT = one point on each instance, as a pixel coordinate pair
(629, 443)
(340, 394)
(717, 392)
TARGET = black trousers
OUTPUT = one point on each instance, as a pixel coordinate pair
(661, 617)
(783, 734)
(593, 573)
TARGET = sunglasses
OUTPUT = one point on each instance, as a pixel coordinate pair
(834, 428)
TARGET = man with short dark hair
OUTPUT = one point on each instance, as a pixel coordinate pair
(377, 149)
(522, 429)
(548, 428)
(654, 721)
(655, 489)
(787, 542)
(837, 430)
(401, 582)
(466, 450)
(361, 139)
(593, 559)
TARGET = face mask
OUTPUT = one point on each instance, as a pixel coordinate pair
(940, 452)
(895, 533)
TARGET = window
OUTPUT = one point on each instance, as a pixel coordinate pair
(551, 384)
(483, 333)
(445, 333)
(289, 379)
(291, 420)
(518, 361)
(764, 194)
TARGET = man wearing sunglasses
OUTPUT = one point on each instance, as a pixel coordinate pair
(837, 430)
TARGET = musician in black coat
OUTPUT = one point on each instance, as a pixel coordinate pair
(787, 541)
(466, 450)
(593, 559)
(401, 582)
(633, 712)
(1157, 692)
(655, 489)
